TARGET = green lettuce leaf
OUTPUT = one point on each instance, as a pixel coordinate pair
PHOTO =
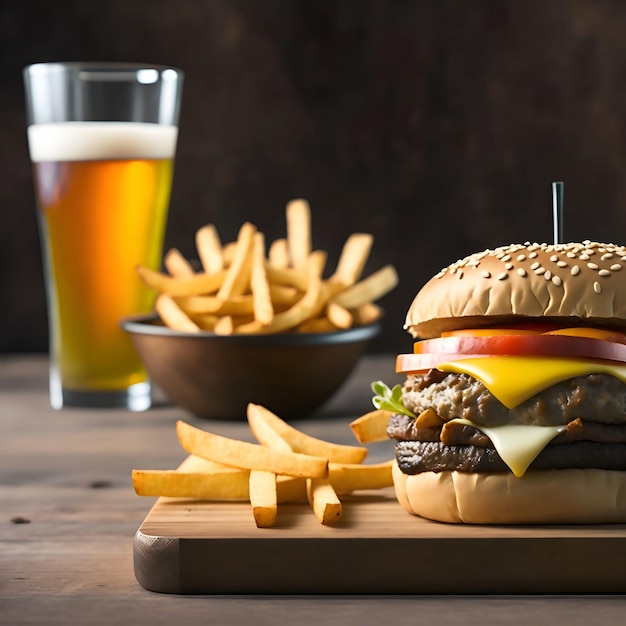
(389, 399)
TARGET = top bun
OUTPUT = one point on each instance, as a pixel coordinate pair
(569, 283)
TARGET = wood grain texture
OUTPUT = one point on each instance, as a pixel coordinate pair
(186, 546)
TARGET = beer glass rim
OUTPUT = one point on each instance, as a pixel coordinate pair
(51, 66)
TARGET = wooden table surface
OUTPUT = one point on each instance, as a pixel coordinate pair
(68, 515)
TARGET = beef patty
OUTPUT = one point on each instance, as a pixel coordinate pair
(593, 407)
(414, 457)
(596, 397)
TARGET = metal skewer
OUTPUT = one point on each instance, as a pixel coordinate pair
(557, 210)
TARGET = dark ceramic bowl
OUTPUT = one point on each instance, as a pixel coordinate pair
(215, 376)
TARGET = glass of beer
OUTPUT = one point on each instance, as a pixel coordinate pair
(102, 139)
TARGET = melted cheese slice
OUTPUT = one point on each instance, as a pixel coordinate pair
(518, 444)
(514, 379)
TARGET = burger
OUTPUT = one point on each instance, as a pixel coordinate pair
(513, 409)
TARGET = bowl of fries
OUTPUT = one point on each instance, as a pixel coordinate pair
(274, 328)
(215, 376)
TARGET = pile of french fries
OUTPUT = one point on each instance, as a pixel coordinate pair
(286, 465)
(241, 289)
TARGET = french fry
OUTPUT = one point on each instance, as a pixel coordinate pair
(324, 501)
(209, 249)
(371, 427)
(213, 485)
(237, 305)
(317, 325)
(228, 253)
(290, 489)
(224, 326)
(309, 306)
(354, 477)
(367, 313)
(278, 253)
(353, 258)
(298, 232)
(226, 483)
(263, 498)
(372, 288)
(181, 286)
(284, 295)
(261, 297)
(287, 276)
(237, 276)
(338, 315)
(248, 455)
(202, 479)
(206, 321)
(176, 264)
(258, 416)
(173, 316)
(194, 305)
(316, 262)
(264, 431)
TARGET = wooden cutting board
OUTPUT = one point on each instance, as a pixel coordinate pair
(191, 547)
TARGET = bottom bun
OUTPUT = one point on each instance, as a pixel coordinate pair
(567, 496)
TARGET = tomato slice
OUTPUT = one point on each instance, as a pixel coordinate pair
(523, 340)
(523, 345)
(406, 363)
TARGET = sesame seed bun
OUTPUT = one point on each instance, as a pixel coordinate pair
(567, 283)
(566, 496)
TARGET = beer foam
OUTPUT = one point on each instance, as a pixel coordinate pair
(101, 141)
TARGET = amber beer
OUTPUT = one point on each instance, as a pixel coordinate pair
(103, 192)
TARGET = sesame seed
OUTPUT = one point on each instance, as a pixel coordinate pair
(521, 257)
(571, 255)
(597, 287)
(604, 273)
(521, 271)
(584, 257)
(508, 266)
(616, 267)
(502, 276)
(592, 266)
(485, 274)
(533, 255)
(575, 270)
(535, 265)
(548, 275)
(540, 270)
(554, 258)
(607, 256)
(557, 281)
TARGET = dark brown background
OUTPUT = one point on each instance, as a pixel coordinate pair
(438, 126)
